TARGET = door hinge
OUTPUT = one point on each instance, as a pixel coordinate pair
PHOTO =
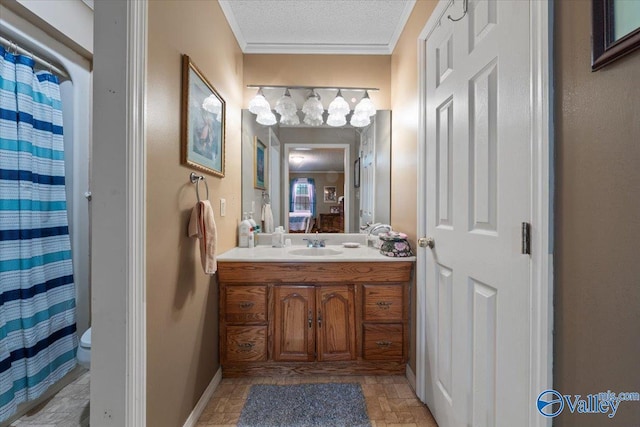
(526, 238)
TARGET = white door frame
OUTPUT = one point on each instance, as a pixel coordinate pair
(118, 360)
(541, 291)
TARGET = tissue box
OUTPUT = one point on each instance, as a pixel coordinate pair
(394, 244)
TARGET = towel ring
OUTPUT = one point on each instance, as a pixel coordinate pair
(195, 179)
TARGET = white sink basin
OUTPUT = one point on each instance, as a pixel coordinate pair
(314, 252)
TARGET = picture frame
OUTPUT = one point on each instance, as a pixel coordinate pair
(259, 164)
(613, 38)
(203, 113)
(356, 173)
(330, 194)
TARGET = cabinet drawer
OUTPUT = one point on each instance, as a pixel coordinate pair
(383, 342)
(382, 303)
(246, 343)
(246, 304)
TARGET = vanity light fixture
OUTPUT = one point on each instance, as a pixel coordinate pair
(286, 107)
(267, 118)
(259, 103)
(336, 120)
(359, 120)
(339, 106)
(365, 106)
(312, 108)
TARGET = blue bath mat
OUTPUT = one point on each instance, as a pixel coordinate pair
(305, 405)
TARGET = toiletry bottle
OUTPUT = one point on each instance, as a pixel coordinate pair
(277, 237)
(244, 229)
(252, 239)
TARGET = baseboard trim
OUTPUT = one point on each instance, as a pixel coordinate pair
(411, 377)
(204, 399)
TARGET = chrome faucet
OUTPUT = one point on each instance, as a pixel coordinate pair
(315, 243)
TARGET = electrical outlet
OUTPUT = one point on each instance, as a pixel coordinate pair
(223, 207)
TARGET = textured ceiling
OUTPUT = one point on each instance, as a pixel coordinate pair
(317, 160)
(317, 26)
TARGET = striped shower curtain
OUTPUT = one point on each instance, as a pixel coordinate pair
(38, 337)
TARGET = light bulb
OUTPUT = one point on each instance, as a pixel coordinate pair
(259, 104)
(359, 120)
(365, 106)
(339, 105)
(336, 120)
(290, 120)
(266, 118)
(313, 120)
(285, 106)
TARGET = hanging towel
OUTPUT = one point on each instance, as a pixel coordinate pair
(203, 226)
(267, 217)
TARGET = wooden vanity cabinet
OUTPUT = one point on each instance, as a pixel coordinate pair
(317, 317)
(314, 323)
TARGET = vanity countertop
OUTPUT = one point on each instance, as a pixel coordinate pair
(268, 254)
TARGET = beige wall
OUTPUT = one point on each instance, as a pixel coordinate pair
(321, 70)
(182, 312)
(597, 286)
(404, 135)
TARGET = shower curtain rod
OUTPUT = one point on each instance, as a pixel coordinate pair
(11, 45)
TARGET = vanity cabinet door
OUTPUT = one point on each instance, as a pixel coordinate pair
(336, 323)
(294, 318)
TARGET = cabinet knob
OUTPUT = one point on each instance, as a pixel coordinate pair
(383, 343)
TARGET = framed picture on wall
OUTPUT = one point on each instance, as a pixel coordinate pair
(615, 30)
(330, 195)
(202, 122)
(259, 162)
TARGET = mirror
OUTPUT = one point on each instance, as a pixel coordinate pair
(324, 179)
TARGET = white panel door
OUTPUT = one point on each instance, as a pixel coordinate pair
(477, 197)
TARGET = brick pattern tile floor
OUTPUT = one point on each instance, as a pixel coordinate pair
(390, 400)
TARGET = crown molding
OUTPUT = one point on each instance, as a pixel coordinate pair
(313, 48)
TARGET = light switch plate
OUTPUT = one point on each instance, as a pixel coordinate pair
(223, 207)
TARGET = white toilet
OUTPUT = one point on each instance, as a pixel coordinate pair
(84, 350)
